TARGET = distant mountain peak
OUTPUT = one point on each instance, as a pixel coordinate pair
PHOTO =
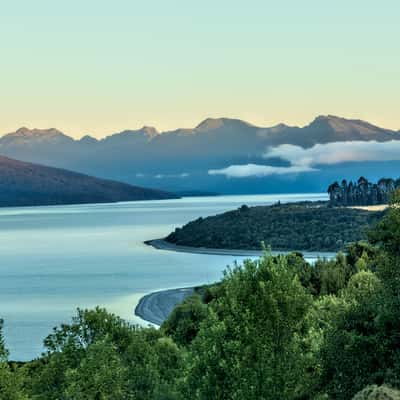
(88, 139)
(346, 126)
(210, 123)
(24, 131)
(281, 125)
(145, 133)
(150, 130)
(25, 135)
(328, 118)
(215, 123)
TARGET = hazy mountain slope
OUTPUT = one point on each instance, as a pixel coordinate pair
(215, 136)
(29, 137)
(181, 159)
(326, 129)
(24, 184)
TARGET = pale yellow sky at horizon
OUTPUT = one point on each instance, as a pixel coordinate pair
(100, 67)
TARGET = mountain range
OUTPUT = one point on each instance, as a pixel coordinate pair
(26, 184)
(199, 158)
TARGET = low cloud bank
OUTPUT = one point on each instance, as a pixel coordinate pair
(337, 152)
(307, 160)
(248, 170)
(168, 176)
(163, 176)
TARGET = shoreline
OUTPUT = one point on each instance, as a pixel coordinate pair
(378, 207)
(157, 306)
(162, 244)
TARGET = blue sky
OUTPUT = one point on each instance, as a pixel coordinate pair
(102, 66)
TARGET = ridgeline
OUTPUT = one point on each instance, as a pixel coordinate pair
(26, 184)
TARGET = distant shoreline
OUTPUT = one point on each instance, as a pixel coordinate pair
(157, 306)
(378, 207)
(162, 244)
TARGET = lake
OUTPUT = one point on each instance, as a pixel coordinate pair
(57, 258)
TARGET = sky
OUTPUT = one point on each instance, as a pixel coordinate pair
(98, 67)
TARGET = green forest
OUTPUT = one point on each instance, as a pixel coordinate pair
(276, 328)
(304, 226)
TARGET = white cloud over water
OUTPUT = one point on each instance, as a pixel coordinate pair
(307, 160)
(168, 176)
(248, 170)
(163, 176)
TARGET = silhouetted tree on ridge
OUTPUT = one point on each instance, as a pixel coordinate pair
(362, 192)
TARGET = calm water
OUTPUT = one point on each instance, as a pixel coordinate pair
(54, 259)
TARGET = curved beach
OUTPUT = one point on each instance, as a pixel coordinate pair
(157, 306)
(161, 244)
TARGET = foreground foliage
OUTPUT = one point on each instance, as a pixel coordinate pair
(252, 345)
(275, 328)
(375, 392)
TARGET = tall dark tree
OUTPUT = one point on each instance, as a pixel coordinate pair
(362, 192)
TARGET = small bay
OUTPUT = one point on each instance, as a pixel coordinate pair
(55, 259)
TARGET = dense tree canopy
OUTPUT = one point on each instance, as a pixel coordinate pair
(251, 344)
(308, 226)
(362, 192)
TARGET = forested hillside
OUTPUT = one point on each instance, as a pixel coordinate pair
(308, 226)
